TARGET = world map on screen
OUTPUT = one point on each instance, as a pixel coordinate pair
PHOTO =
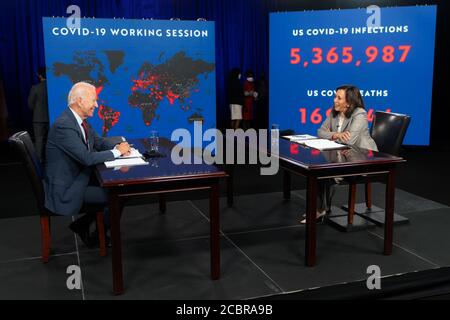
(169, 80)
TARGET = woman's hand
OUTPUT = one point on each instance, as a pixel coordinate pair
(343, 136)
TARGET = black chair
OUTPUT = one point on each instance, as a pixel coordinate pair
(388, 130)
(22, 144)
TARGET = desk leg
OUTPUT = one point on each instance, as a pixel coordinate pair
(286, 184)
(389, 213)
(114, 211)
(214, 230)
(162, 203)
(351, 203)
(230, 171)
(311, 204)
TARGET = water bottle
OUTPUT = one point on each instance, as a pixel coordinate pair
(154, 141)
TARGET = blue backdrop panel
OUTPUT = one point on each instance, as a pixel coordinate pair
(149, 74)
(313, 52)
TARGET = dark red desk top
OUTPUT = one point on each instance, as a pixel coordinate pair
(158, 170)
(316, 159)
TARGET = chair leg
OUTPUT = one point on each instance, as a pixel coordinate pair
(368, 189)
(101, 233)
(45, 237)
(351, 202)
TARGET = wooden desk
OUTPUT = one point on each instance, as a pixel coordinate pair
(160, 176)
(315, 165)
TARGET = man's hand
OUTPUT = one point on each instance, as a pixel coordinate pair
(124, 148)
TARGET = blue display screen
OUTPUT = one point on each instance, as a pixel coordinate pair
(149, 74)
(388, 54)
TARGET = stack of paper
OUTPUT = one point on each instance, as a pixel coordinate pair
(322, 144)
(135, 158)
(299, 137)
(125, 162)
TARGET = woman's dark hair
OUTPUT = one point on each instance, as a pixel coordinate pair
(41, 72)
(353, 98)
(234, 74)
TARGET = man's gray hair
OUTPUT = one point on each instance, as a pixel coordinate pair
(78, 90)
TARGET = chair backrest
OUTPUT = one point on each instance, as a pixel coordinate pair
(388, 131)
(23, 146)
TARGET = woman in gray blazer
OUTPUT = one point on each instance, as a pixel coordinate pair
(347, 123)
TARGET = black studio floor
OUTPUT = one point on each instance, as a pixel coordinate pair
(166, 256)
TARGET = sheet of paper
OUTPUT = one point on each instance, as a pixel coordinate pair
(300, 137)
(322, 144)
(125, 162)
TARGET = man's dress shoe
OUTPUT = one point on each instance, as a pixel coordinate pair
(82, 231)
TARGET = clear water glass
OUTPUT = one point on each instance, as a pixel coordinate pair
(154, 141)
(275, 132)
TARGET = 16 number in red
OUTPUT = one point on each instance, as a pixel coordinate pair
(316, 117)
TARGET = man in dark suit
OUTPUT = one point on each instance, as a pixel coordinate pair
(73, 148)
(38, 104)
